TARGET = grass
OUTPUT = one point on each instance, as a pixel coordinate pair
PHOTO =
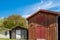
(6, 39)
(9, 39)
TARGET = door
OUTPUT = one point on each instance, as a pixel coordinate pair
(40, 33)
(13, 34)
(24, 34)
(18, 34)
(59, 27)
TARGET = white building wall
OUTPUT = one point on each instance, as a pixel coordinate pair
(2, 35)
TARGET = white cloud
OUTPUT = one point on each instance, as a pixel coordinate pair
(42, 5)
(47, 5)
(25, 16)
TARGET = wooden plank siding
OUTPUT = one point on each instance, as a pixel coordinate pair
(48, 23)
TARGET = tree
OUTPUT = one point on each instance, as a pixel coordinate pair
(15, 20)
(1, 21)
(2, 28)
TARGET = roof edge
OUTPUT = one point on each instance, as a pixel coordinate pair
(44, 11)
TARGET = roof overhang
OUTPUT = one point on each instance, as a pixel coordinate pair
(43, 11)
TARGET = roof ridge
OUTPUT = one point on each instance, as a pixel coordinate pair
(43, 11)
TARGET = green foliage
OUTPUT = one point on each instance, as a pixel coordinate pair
(1, 21)
(2, 28)
(6, 39)
(15, 20)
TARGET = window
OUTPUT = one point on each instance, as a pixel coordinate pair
(5, 33)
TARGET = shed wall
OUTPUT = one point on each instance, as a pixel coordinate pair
(45, 20)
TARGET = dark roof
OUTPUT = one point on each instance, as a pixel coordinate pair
(19, 28)
(43, 11)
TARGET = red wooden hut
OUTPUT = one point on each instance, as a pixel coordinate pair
(42, 25)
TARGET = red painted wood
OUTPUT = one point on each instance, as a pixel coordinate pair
(40, 19)
(40, 32)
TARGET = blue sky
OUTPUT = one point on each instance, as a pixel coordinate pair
(26, 7)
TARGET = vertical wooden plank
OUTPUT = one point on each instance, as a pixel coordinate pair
(40, 32)
(13, 34)
(46, 26)
(31, 32)
(51, 32)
